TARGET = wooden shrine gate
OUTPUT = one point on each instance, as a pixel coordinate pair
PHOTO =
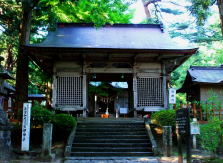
(74, 53)
(148, 89)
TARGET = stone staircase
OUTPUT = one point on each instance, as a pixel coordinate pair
(123, 137)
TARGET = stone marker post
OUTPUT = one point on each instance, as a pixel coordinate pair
(47, 139)
(195, 130)
(167, 141)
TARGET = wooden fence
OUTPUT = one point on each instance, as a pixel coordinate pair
(204, 111)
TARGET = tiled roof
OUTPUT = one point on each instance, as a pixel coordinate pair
(206, 74)
(117, 36)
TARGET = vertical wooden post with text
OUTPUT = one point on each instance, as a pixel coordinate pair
(183, 129)
(26, 126)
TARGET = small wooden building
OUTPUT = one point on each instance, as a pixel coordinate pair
(203, 82)
(142, 55)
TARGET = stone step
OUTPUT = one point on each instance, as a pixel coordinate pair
(110, 125)
(97, 137)
(129, 145)
(82, 133)
(110, 120)
(109, 129)
(111, 136)
(111, 149)
(113, 154)
(111, 140)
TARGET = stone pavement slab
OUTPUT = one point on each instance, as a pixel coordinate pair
(113, 160)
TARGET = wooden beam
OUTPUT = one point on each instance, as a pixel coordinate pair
(165, 97)
(109, 70)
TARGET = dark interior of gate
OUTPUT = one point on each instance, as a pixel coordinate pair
(140, 54)
(113, 94)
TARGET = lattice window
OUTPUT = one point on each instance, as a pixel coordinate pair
(149, 92)
(69, 91)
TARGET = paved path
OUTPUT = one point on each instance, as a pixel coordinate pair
(124, 160)
(115, 160)
(100, 160)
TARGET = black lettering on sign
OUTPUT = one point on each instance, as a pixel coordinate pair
(182, 121)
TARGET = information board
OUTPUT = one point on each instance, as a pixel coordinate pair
(182, 121)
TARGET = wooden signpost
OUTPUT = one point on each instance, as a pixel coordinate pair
(183, 129)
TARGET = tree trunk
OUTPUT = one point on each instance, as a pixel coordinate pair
(220, 6)
(22, 62)
(146, 3)
(147, 12)
(9, 58)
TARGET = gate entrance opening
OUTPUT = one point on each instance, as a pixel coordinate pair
(108, 93)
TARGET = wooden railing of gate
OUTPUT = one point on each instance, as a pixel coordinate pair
(205, 111)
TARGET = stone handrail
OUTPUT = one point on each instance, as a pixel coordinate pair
(152, 139)
(70, 142)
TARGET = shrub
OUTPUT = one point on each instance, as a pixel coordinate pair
(164, 118)
(211, 134)
(63, 122)
(40, 115)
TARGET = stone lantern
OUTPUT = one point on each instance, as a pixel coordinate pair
(5, 127)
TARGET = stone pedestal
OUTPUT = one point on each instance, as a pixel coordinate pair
(47, 140)
(167, 141)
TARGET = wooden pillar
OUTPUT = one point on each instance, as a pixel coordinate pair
(179, 148)
(84, 96)
(54, 94)
(130, 95)
(84, 87)
(135, 95)
(165, 97)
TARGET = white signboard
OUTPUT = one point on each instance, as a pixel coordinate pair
(26, 126)
(123, 110)
(172, 96)
(194, 128)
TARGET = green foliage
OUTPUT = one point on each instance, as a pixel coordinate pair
(39, 82)
(104, 89)
(198, 34)
(40, 115)
(164, 118)
(63, 122)
(200, 9)
(211, 134)
(171, 11)
(98, 12)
